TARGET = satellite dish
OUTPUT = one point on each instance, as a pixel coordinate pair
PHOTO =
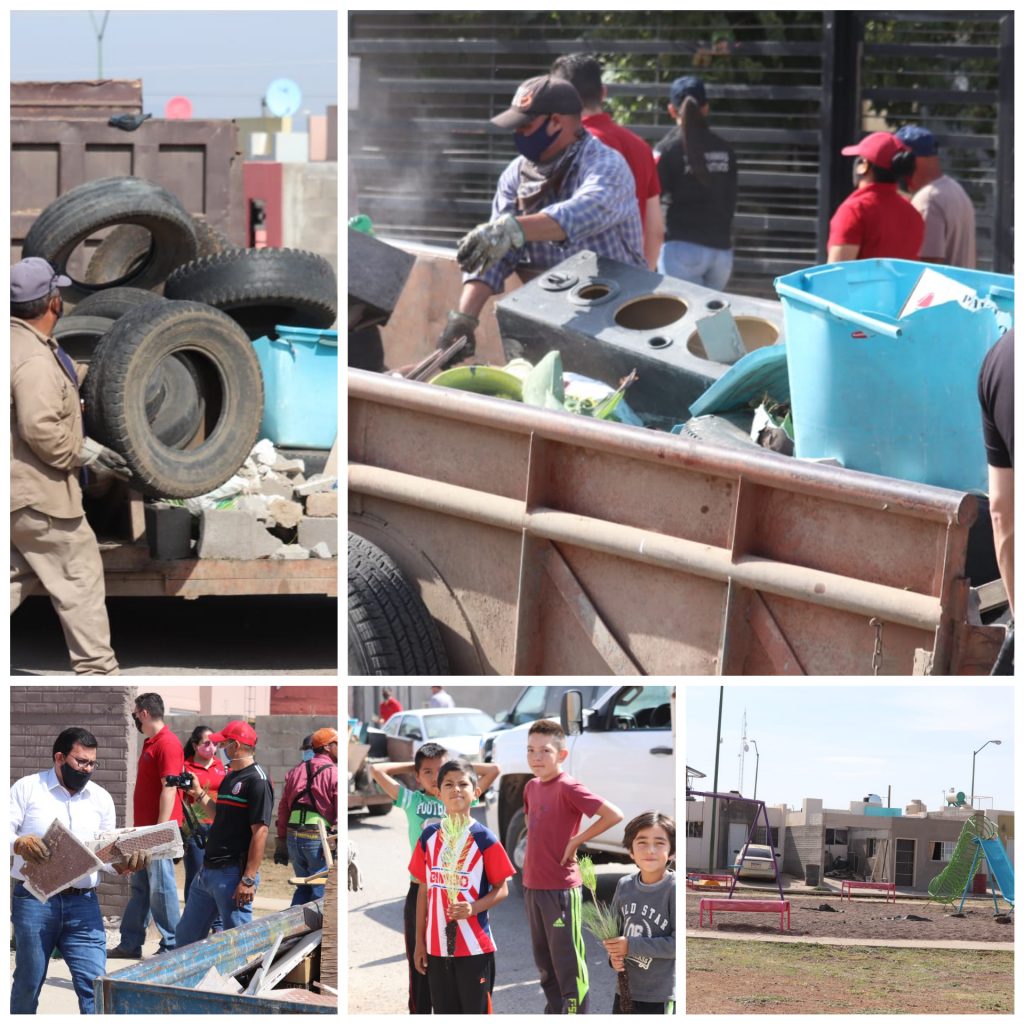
(283, 97)
(178, 108)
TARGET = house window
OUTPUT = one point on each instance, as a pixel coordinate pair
(870, 847)
(695, 830)
(942, 852)
(835, 837)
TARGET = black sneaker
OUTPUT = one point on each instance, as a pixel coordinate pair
(117, 953)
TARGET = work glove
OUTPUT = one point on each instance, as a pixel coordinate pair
(103, 460)
(280, 854)
(31, 849)
(459, 324)
(138, 861)
(487, 243)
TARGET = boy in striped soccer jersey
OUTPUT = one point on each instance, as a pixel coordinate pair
(463, 982)
(555, 805)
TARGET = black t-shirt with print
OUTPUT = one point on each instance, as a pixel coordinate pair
(245, 798)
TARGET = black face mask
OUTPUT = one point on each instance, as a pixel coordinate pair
(72, 778)
(138, 722)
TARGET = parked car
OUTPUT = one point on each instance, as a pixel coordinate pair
(534, 702)
(458, 730)
(756, 863)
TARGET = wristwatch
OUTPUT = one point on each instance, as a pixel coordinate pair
(246, 880)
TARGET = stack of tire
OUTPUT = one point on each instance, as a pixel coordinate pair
(164, 315)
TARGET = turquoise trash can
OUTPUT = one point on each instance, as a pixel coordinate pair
(883, 395)
(300, 387)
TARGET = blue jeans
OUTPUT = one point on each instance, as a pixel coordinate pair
(307, 857)
(154, 896)
(212, 893)
(72, 924)
(193, 862)
(697, 263)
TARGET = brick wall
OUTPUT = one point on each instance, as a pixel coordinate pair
(40, 713)
(280, 737)
(304, 700)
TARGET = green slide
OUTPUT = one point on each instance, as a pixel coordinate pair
(949, 886)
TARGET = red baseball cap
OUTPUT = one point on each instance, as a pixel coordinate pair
(878, 147)
(242, 732)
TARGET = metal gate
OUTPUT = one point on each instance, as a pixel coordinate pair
(788, 90)
(905, 853)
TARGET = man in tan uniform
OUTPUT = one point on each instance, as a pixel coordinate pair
(53, 548)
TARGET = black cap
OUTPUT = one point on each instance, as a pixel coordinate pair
(307, 743)
(537, 96)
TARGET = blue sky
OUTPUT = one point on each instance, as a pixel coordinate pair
(221, 60)
(841, 743)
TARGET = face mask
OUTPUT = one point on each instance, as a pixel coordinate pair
(72, 778)
(307, 755)
(138, 722)
(531, 146)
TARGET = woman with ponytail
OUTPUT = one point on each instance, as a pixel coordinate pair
(697, 169)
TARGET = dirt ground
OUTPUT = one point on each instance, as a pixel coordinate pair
(761, 977)
(863, 918)
(273, 879)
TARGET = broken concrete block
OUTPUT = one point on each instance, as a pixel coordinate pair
(273, 485)
(320, 550)
(317, 483)
(316, 531)
(289, 466)
(290, 553)
(255, 505)
(285, 513)
(324, 503)
(233, 535)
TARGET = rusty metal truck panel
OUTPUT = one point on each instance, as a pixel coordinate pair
(547, 543)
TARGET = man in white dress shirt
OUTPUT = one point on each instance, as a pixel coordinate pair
(440, 698)
(71, 920)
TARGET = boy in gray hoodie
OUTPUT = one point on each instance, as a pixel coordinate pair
(645, 903)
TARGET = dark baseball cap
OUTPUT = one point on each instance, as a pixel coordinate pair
(878, 148)
(537, 96)
(34, 278)
(919, 139)
(688, 85)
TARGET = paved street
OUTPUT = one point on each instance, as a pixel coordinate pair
(377, 972)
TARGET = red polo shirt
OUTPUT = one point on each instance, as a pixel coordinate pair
(161, 755)
(880, 221)
(638, 154)
(388, 708)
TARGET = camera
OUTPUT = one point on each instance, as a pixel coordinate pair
(182, 781)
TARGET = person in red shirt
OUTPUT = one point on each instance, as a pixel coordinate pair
(202, 761)
(154, 891)
(875, 220)
(584, 71)
(388, 706)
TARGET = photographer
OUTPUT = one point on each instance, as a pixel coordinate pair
(227, 881)
(155, 890)
(202, 762)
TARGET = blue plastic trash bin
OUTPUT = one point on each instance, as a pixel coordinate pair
(888, 396)
(300, 387)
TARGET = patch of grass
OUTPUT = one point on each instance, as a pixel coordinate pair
(757, 1000)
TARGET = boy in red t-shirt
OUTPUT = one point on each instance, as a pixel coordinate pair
(555, 804)
(463, 982)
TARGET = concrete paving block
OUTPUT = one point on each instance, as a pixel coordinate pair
(316, 484)
(255, 505)
(316, 531)
(285, 513)
(289, 466)
(324, 503)
(276, 486)
(290, 553)
(320, 550)
(234, 535)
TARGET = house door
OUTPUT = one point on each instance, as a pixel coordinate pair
(738, 832)
(905, 862)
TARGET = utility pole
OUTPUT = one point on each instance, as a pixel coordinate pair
(99, 40)
(714, 785)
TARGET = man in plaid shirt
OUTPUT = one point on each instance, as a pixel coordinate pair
(566, 192)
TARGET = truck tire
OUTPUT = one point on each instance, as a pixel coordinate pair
(79, 335)
(390, 631)
(515, 845)
(379, 810)
(70, 219)
(120, 255)
(175, 405)
(115, 302)
(231, 386)
(209, 241)
(261, 288)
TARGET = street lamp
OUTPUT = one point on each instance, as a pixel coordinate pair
(973, 759)
(757, 765)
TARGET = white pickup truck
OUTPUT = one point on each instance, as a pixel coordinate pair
(622, 749)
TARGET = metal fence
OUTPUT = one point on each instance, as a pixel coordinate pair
(787, 89)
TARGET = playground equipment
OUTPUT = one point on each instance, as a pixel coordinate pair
(999, 868)
(955, 879)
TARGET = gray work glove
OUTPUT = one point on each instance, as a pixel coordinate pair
(459, 324)
(103, 460)
(31, 849)
(138, 861)
(487, 243)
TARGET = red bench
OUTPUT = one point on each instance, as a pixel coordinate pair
(780, 907)
(848, 885)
